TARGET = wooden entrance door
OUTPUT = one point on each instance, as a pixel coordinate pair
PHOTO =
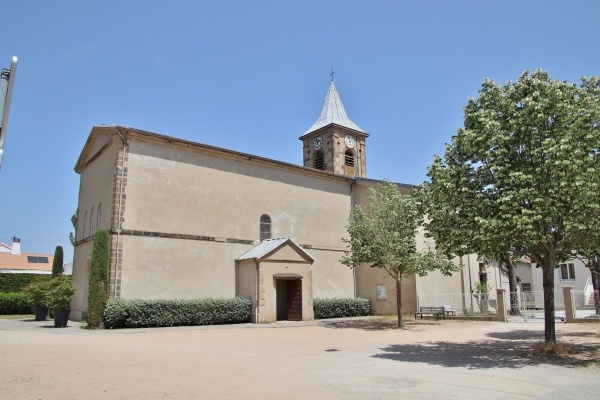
(294, 300)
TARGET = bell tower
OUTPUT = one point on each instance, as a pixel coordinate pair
(334, 143)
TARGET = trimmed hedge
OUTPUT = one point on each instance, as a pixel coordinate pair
(340, 308)
(14, 283)
(158, 313)
(15, 303)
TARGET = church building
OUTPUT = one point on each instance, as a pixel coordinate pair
(187, 220)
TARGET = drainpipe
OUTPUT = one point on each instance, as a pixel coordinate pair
(125, 143)
(257, 315)
(351, 206)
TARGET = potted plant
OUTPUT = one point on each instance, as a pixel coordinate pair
(37, 291)
(60, 292)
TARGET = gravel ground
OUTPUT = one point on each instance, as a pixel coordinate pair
(364, 358)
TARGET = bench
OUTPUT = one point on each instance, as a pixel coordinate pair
(437, 311)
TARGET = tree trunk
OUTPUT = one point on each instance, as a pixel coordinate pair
(512, 285)
(595, 284)
(549, 319)
(399, 302)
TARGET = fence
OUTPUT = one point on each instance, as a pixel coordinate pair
(462, 303)
(535, 300)
(527, 304)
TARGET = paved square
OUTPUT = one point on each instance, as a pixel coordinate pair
(356, 359)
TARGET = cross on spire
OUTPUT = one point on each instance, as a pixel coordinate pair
(331, 74)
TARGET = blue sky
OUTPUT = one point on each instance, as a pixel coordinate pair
(252, 76)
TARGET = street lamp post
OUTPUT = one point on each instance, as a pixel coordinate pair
(7, 80)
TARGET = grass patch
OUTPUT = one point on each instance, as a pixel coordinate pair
(551, 350)
(17, 316)
(379, 323)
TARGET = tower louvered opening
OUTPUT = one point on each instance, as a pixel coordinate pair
(319, 164)
(349, 158)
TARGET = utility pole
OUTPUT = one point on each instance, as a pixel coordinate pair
(7, 80)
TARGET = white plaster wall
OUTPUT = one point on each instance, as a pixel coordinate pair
(96, 186)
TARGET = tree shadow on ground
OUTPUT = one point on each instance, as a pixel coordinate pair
(513, 350)
(537, 335)
(480, 354)
(376, 324)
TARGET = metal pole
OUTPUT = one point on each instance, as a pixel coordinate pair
(6, 87)
(470, 281)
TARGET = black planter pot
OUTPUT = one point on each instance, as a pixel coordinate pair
(61, 317)
(40, 313)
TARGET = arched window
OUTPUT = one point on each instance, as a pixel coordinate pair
(92, 220)
(265, 227)
(84, 226)
(98, 217)
(319, 164)
(349, 158)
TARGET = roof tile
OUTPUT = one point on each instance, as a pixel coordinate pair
(9, 261)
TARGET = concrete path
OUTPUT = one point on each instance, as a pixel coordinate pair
(351, 359)
(583, 390)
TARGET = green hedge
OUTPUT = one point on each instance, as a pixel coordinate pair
(98, 283)
(340, 308)
(15, 303)
(14, 283)
(156, 313)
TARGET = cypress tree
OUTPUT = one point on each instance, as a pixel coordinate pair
(98, 289)
(57, 264)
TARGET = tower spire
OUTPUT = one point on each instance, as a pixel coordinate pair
(333, 111)
(334, 143)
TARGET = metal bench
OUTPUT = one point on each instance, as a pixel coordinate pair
(437, 311)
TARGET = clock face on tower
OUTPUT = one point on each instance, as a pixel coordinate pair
(318, 143)
(349, 141)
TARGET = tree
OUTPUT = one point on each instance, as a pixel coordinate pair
(74, 222)
(522, 175)
(385, 237)
(98, 286)
(57, 264)
(511, 268)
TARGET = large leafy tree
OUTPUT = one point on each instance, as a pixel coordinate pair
(522, 176)
(384, 236)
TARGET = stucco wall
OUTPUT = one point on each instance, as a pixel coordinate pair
(246, 284)
(330, 277)
(177, 191)
(96, 187)
(369, 278)
(164, 268)
(582, 274)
